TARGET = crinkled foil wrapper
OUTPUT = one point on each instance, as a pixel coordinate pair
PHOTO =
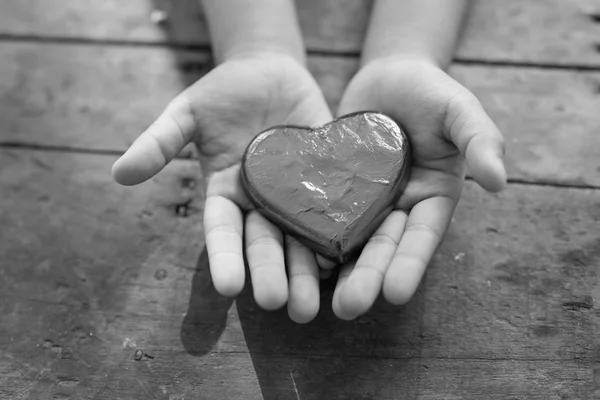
(332, 186)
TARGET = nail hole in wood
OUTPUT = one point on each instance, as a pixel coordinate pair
(595, 18)
(183, 209)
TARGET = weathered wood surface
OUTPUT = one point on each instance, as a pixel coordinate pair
(508, 308)
(535, 31)
(90, 272)
(102, 97)
(91, 97)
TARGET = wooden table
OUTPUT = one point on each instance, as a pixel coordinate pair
(105, 292)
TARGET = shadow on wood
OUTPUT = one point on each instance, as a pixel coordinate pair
(183, 19)
(206, 317)
(180, 20)
(327, 358)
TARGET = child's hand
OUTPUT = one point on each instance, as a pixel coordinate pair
(446, 125)
(221, 113)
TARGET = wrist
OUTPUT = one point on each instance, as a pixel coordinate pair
(278, 59)
(402, 58)
(239, 28)
(259, 49)
(415, 29)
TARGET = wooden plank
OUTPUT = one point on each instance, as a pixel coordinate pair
(519, 31)
(547, 118)
(73, 245)
(92, 272)
(509, 30)
(500, 380)
(102, 97)
(517, 278)
(80, 96)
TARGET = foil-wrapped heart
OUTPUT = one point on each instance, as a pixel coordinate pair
(330, 187)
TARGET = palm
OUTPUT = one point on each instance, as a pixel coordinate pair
(240, 98)
(221, 113)
(446, 125)
(437, 167)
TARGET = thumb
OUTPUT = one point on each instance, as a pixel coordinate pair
(158, 145)
(469, 127)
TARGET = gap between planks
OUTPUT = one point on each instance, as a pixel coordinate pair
(116, 153)
(66, 40)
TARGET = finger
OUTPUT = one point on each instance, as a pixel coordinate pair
(325, 263)
(226, 183)
(425, 228)
(469, 127)
(303, 275)
(157, 146)
(364, 283)
(344, 273)
(223, 224)
(264, 250)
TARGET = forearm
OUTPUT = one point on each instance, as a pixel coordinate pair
(241, 27)
(423, 29)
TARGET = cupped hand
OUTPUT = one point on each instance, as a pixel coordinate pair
(221, 113)
(447, 126)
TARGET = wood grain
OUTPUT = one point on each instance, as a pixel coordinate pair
(532, 31)
(103, 97)
(105, 291)
(507, 310)
(80, 96)
(74, 246)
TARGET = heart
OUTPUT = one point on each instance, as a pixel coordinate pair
(329, 187)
